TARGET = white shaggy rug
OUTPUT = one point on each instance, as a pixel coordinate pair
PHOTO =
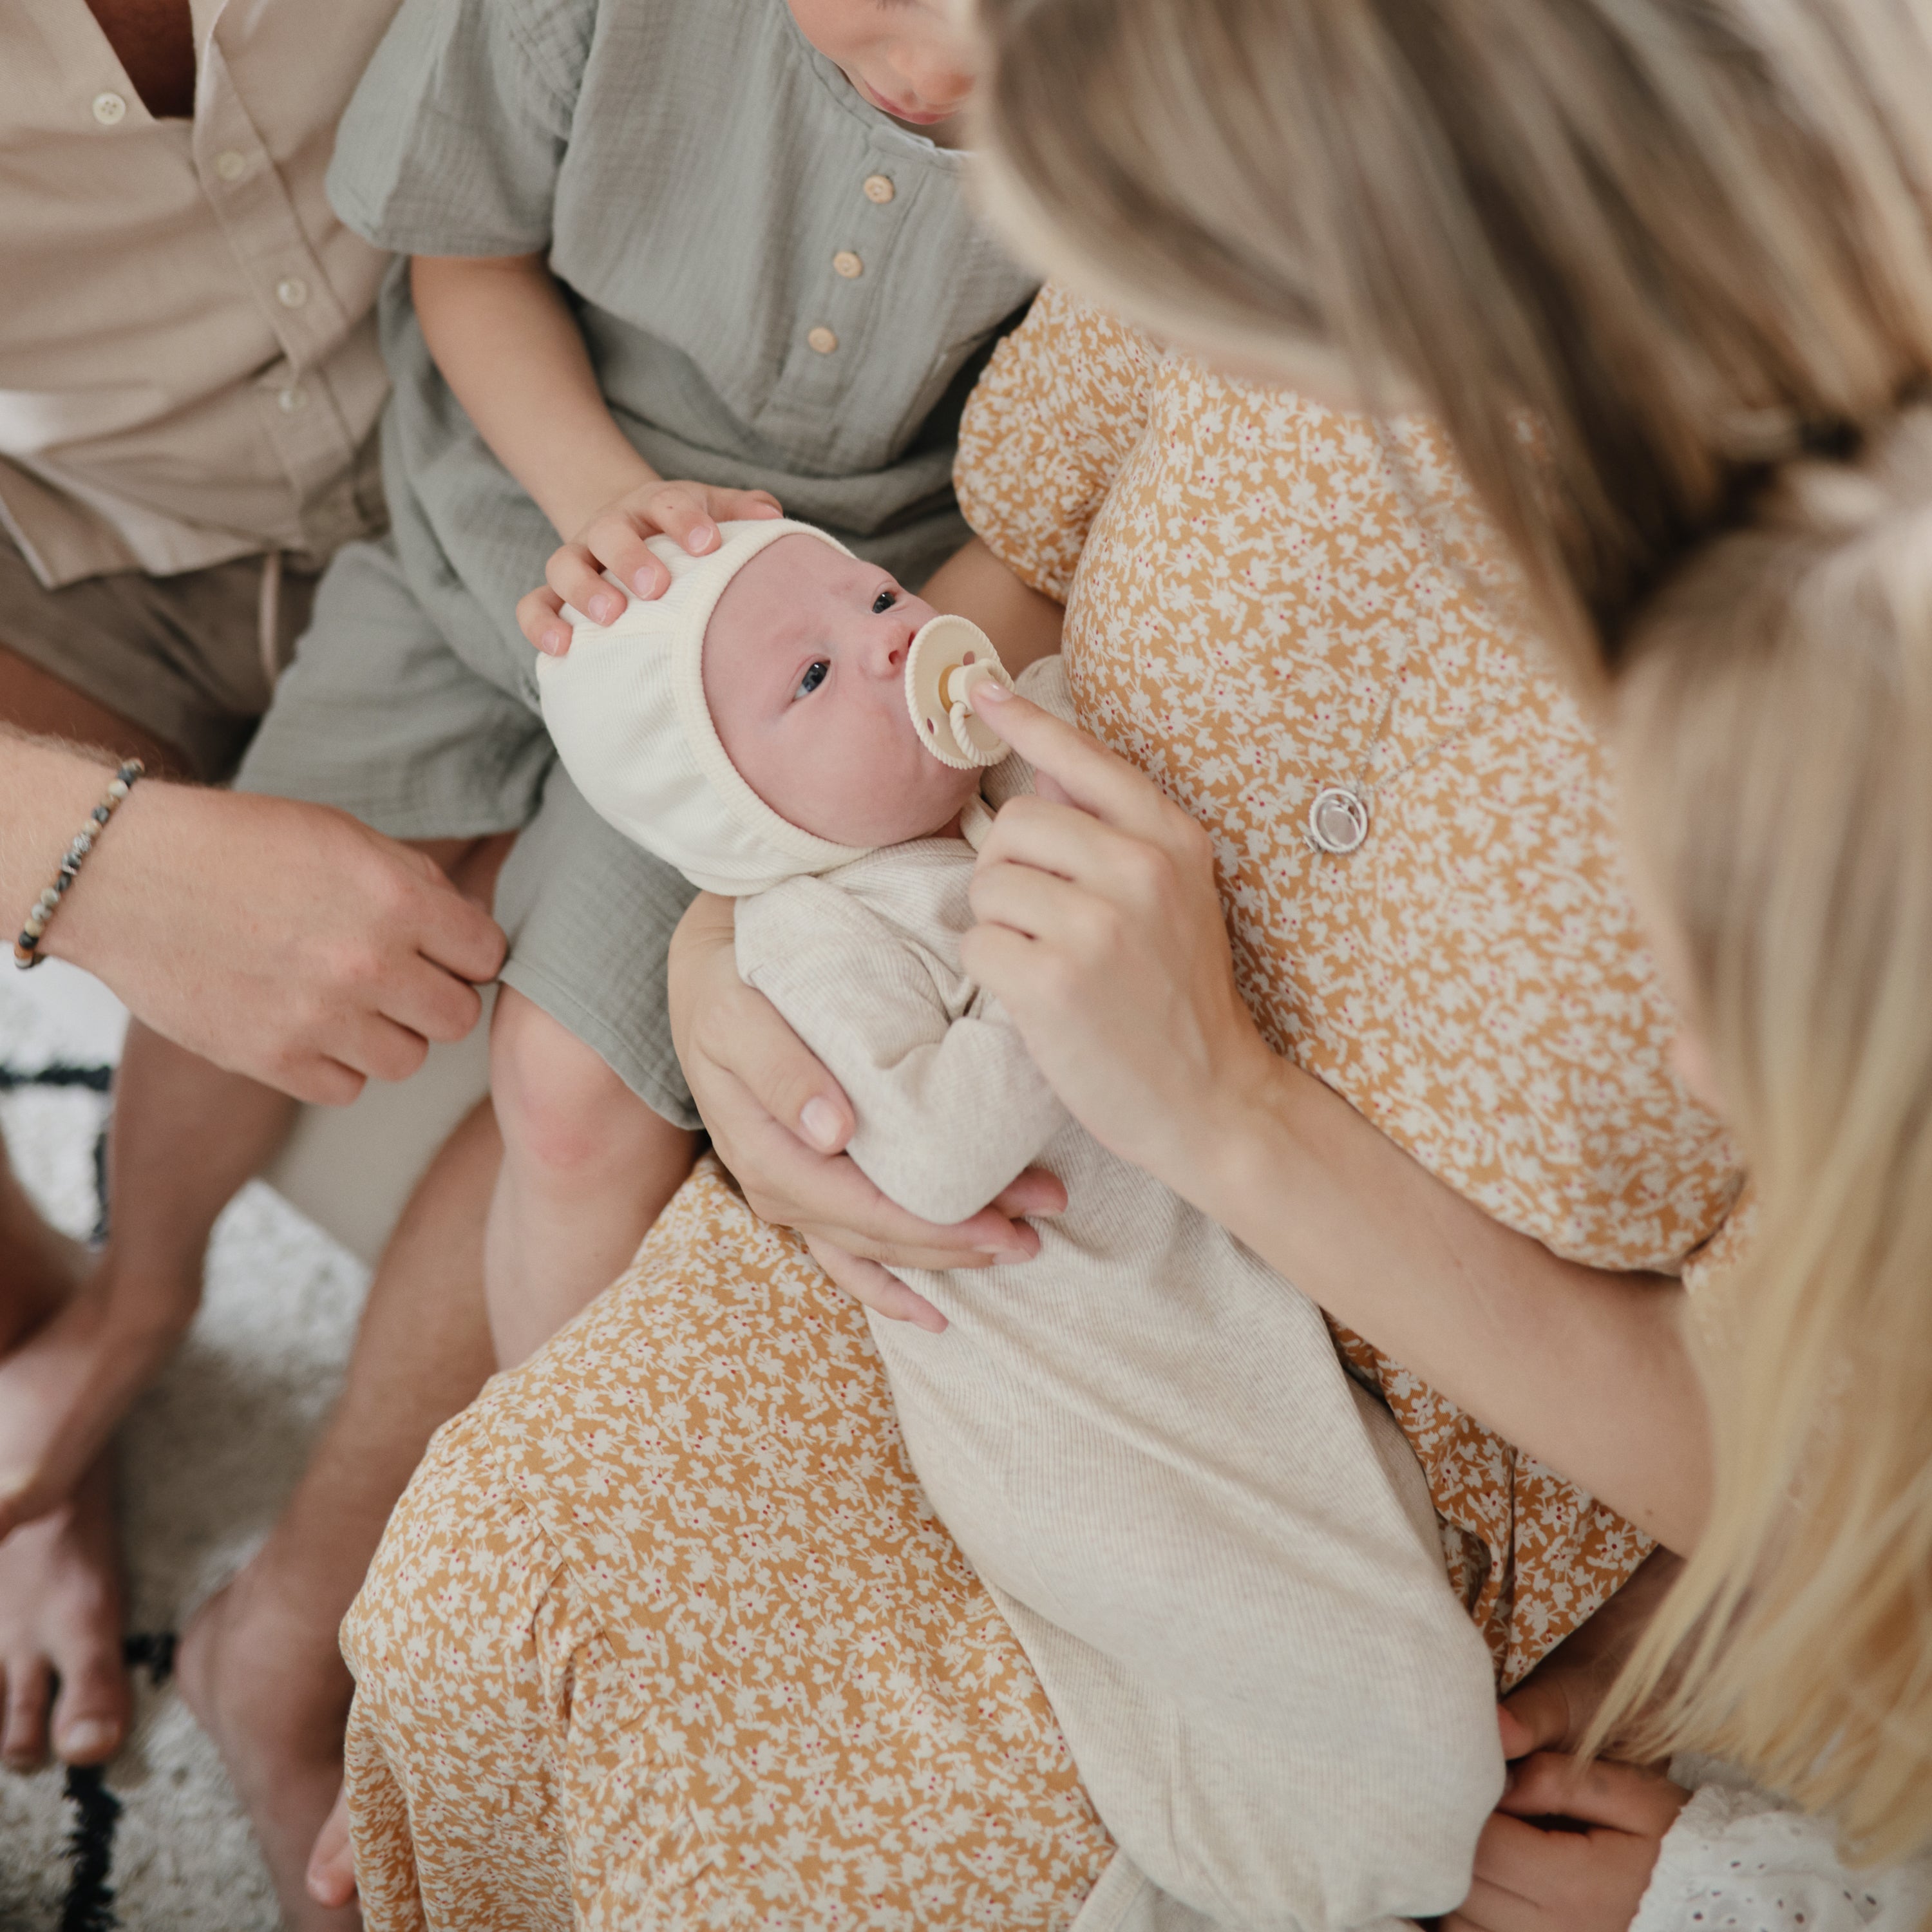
(158, 1843)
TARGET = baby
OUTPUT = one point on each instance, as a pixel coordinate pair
(1217, 1551)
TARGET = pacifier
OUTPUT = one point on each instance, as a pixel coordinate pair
(949, 660)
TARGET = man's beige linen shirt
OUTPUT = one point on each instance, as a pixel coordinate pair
(188, 365)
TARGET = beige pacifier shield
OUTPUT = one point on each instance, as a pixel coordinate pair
(948, 656)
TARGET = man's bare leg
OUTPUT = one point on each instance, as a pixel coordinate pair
(260, 1664)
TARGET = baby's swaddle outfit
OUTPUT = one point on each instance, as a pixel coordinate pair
(1217, 1551)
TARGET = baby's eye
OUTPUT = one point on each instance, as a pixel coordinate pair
(813, 678)
(884, 601)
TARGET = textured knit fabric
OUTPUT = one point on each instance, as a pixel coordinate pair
(1264, 597)
(1145, 1443)
(625, 707)
(1739, 1860)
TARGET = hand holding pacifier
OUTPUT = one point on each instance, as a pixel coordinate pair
(950, 657)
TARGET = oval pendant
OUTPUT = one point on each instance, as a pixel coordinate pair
(1338, 820)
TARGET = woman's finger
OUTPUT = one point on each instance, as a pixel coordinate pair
(867, 1282)
(1043, 906)
(744, 1034)
(1619, 1796)
(1535, 1718)
(1092, 777)
(1035, 1192)
(540, 618)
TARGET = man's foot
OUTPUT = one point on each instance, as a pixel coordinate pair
(271, 1689)
(64, 1388)
(60, 1626)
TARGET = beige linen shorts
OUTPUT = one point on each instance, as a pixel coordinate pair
(180, 656)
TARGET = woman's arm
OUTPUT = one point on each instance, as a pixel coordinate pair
(284, 941)
(1101, 932)
(510, 351)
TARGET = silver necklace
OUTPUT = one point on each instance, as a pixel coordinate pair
(1338, 815)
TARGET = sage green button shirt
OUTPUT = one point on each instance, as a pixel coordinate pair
(700, 177)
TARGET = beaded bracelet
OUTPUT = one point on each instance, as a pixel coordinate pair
(26, 948)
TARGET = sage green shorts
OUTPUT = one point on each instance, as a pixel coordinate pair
(379, 716)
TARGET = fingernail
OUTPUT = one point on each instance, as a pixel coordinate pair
(701, 539)
(647, 582)
(87, 1737)
(557, 641)
(990, 692)
(820, 1120)
(605, 608)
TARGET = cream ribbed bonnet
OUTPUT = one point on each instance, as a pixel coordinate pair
(625, 707)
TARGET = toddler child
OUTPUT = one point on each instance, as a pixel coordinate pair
(1216, 1550)
(670, 263)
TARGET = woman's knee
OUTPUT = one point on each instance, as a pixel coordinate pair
(562, 1110)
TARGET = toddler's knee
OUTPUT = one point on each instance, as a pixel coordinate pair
(560, 1108)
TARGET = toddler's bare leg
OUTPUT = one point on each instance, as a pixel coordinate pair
(587, 1168)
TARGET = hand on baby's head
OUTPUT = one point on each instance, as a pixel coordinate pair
(804, 668)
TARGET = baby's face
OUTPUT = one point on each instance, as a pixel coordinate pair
(804, 672)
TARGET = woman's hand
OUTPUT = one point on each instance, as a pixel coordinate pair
(1554, 1707)
(613, 539)
(281, 940)
(780, 1122)
(1101, 932)
(1588, 1875)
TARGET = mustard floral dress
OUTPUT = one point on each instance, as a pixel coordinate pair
(663, 1633)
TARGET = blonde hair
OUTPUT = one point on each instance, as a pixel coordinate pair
(1680, 240)
(1776, 725)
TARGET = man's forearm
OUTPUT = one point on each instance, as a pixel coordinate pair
(509, 348)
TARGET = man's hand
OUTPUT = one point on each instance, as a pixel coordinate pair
(613, 539)
(780, 1122)
(1530, 1877)
(285, 941)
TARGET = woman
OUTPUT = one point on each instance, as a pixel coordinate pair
(1319, 632)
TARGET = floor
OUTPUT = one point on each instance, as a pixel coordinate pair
(157, 1844)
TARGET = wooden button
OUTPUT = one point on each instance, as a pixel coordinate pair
(823, 340)
(879, 188)
(848, 265)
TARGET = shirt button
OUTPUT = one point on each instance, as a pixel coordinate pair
(230, 165)
(879, 188)
(291, 293)
(109, 108)
(848, 265)
(823, 340)
(294, 397)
